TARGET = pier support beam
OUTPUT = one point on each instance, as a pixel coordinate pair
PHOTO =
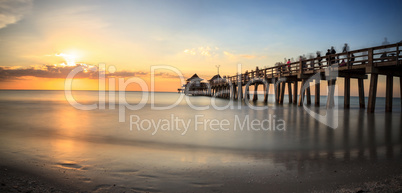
(277, 91)
(361, 93)
(302, 91)
(372, 93)
(308, 93)
(331, 92)
(295, 85)
(317, 93)
(255, 96)
(222, 91)
(233, 92)
(346, 102)
(239, 89)
(247, 93)
(290, 92)
(388, 93)
(266, 92)
(282, 92)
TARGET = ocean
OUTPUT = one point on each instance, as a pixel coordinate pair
(172, 140)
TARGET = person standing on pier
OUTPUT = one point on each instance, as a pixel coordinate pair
(385, 42)
(345, 48)
(303, 63)
(312, 61)
(352, 58)
(328, 57)
(333, 57)
(319, 58)
(346, 51)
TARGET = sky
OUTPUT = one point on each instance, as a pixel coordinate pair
(42, 40)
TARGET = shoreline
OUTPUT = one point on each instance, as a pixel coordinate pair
(380, 175)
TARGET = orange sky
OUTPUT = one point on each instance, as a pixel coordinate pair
(34, 83)
(166, 85)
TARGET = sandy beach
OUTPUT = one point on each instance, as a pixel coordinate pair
(343, 178)
(302, 175)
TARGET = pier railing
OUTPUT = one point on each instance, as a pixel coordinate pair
(387, 55)
(379, 60)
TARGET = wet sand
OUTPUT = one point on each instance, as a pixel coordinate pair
(299, 175)
(21, 179)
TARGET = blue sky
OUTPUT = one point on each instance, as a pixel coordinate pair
(269, 28)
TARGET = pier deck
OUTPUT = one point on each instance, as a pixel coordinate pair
(356, 64)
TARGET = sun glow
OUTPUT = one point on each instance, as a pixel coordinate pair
(69, 58)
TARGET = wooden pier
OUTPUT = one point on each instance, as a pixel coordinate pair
(356, 64)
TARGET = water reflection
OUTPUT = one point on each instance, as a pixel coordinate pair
(73, 138)
(346, 135)
(364, 137)
(388, 136)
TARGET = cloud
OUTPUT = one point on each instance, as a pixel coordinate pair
(11, 11)
(46, 71)
(53, 71)
(206, 51)
(166, 75)
(191, 52)
(246, 56)
(228, 54)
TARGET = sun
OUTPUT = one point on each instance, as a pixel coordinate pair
(69, 58)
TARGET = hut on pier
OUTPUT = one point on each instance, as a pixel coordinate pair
(195, 86)
(215, 79)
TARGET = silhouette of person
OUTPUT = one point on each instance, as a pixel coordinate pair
(352, 58)
(343, 63)
(257, 72)
(383, 56)
(303, 63)
(345, 48)
(385, 42)
(311, 64)
(328, 56)
(333, 52)
(319, 58)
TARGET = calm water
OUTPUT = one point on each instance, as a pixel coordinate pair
(158, 147)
